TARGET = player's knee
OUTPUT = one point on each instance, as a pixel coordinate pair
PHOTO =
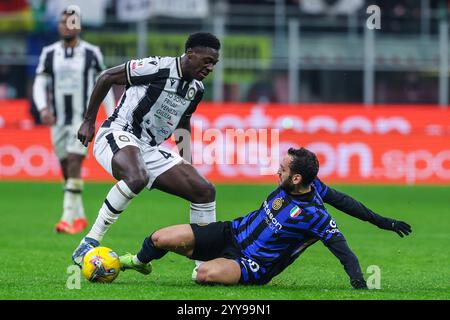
(137, 181)
(155, 237)
(207, 274)
(204, 193)
(203, 274)
(161, 240)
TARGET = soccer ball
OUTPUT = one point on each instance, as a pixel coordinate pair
(101, 264)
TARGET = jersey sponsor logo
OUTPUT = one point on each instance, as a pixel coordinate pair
(270, 220)
(176, 98)
(164, 114)
(295, 211)
(163, 131)
(277, 203)
(333, 223)
(137, 64)
(333, 227)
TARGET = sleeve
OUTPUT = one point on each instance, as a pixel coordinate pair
(45, 63)
(321, 187)
(350, 206)
(109, 103)
(349, 261)
(40, 91)
(100, 64)
(326, 229)
(141, 71)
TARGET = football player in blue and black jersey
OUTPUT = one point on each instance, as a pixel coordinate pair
(255, 248)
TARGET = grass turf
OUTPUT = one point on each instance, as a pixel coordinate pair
(34, 259)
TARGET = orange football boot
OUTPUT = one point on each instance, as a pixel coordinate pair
(63, 227)
(78, 225)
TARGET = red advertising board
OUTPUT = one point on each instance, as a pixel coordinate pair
(243, 143)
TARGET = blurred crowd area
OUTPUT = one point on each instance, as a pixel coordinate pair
(257, 55)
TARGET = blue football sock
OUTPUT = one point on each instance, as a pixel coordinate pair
(149, 252)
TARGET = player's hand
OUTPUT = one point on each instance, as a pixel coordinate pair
(47, 117)
(400, 227)
(86, 132)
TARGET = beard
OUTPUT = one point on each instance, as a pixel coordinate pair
(287, 185)
(68, 38)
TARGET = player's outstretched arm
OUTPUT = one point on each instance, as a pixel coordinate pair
(115, 75)
(350, 206)
(348, 259)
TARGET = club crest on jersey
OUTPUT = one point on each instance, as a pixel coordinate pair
(277, 203)
(191, 93)
(295, 211)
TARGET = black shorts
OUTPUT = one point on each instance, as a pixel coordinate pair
(213, 241)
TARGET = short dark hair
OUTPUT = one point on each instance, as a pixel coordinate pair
(305, 163)
(202, 39)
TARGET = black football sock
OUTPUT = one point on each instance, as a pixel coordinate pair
(149, 252)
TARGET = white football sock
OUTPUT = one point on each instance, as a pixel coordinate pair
(116, 201)
(136, 260)
(79, 212)
(72, 194)
(80, 209)
(202, 214)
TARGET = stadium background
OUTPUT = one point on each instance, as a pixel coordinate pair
(373, 104)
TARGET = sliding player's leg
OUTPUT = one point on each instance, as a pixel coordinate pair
(178, 239)
(206, 243)
(219, 271)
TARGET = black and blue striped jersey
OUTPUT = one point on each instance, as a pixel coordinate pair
(321, 188)
(273, 236)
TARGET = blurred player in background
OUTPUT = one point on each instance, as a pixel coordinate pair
(255, 248)
(69, 67)
(161, 95)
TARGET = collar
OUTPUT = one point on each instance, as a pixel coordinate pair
(75, 46)
(178, 62)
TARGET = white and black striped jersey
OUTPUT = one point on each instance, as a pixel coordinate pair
(155, 100)
(72, 73)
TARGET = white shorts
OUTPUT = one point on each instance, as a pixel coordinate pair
(157, 159)
(64, 139)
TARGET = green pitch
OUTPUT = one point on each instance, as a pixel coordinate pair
(34, 259)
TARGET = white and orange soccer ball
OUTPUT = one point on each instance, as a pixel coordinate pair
(101, 264)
